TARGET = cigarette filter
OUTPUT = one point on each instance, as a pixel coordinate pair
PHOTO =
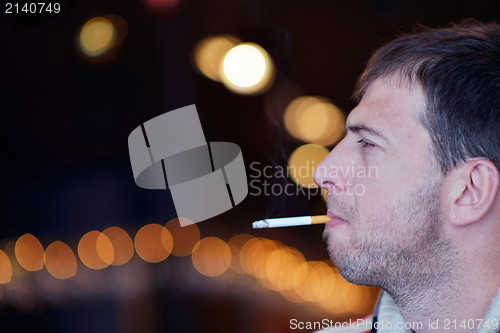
(290, 221)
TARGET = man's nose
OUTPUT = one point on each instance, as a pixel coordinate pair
(331, 172)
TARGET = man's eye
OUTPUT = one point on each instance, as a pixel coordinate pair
(365, 144)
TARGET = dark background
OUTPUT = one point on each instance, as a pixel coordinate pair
(64, 126)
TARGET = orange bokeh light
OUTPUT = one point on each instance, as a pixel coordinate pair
(60, 260)
(29, 252)
(210, 51)
(122, 245)
(5, 268)
(153, 243)
(185, 238)
(95, 250)
(211, 256)
(314, 119)
(235, 244)
(303, 161)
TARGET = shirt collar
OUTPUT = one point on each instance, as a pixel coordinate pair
(388, 312)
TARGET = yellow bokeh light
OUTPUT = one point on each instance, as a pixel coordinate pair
(256, 255)
(294, 109)
(333, 302)
(60, 260)
(324, 194)
(95, 250)
(286, 280)
(276, 262)
(244, 252)
(311, 287)
(321, 123)
(122, 245)
(367, 297)
(326, 282)
(269, 258)
(153, 243)
(247, 69)
(315, 120)
(97, 36)
(347, 298)
(299, 277)
(304, 161)
(235, 244)
(351, 297)
(29, 252)
(210, 51)
(211, 256)
(184, 238)
(5, 268)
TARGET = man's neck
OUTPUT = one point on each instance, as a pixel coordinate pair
(450, 308)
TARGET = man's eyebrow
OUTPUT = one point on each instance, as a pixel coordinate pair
(364, 128)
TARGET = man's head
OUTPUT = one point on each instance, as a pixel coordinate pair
(419, 163)
(458, 69)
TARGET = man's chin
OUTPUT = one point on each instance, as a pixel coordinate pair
(351, 265)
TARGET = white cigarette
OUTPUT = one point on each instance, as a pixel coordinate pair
(290, 221)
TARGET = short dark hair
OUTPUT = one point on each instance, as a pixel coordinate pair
(458, 69)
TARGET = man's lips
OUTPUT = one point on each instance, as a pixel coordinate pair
(335, 221)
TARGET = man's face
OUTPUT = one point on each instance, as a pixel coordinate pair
(384, 191)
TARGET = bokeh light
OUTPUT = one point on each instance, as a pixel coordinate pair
(324, 194)
(325, 281)
(95, 250)
(97, 36)
(60, 260)
(17, 270)
(275, 266)
(235, 244)
(315, 120)
(161, 9)
(314, 281)
(260, 260)
(29, 252)
(210, 51)
(5, 268)
(122, 245)
(351, 297)
(184, 238)
(253, 254)
(304, 161)
(211, 256)
(247, 69)
(244, 252)
(101, 38)
(120, 28)
(281, 266)
(153, 243)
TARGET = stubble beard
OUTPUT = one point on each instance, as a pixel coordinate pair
(407, 261)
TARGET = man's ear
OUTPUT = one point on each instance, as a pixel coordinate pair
(475, 188)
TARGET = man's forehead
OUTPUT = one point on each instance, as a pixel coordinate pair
(388, 105)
